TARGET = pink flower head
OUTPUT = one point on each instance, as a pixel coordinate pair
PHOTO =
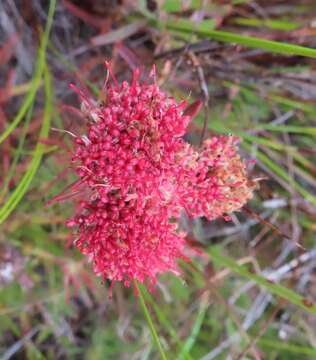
(140, 174)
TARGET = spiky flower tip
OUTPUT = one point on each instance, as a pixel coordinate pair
(139, 174)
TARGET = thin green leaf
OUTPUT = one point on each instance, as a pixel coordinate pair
(150, 322)
(187, 26)
(17, 155)
(24, 184)
(286, 346)
(189, 343)
(166, 324)
(282, 173)
(276, 289)
(36, 81)
(288, 129)
(271, 24)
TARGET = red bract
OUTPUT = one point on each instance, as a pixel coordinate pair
(140, 174)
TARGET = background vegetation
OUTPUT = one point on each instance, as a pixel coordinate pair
(252, 293)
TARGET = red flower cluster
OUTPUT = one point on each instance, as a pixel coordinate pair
(141, 174)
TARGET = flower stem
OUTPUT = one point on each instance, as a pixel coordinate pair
(150, 322)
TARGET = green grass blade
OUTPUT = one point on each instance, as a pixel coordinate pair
(276, 289)
(24, 107)
(37, 76)
(281, 173)
(293, 104)
(286, 346)
(282, 25)
(288, 129)
(187, 26)
(17, 155)
(189, 343)
(24, 184)
(150, 322)
(167, 326)
(245, 87)
(178, 5)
